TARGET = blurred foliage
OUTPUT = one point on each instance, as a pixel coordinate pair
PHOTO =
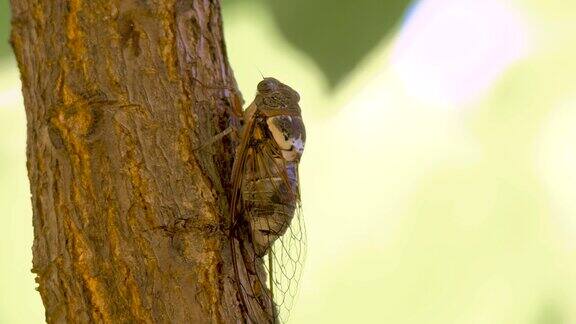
(550, 313)
(337, 35)
(5, 50)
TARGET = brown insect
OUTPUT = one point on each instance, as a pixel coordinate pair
(268, 234)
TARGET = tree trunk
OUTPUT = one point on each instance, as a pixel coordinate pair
(130, 222)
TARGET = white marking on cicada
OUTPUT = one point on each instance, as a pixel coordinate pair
(292, 147)
(278, 133)
(299, 145)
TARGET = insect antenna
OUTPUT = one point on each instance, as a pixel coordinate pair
(262, 75)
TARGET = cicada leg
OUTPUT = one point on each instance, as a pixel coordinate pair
(231, 130)
(234, 97)
(248, 257)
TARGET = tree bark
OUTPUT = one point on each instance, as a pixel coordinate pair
(130, 222)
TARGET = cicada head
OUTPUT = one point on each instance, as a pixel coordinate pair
(274, 95)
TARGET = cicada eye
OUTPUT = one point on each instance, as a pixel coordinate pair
(266, 85)
(296, 96)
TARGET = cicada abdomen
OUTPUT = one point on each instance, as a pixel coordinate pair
(268, 236)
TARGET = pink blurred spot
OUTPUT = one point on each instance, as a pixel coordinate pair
(453, 51)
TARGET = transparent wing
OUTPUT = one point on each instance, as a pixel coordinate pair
(271, 235)
(286, 259)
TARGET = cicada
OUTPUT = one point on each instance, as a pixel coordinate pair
(268, 240)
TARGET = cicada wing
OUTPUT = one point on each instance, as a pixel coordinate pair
(285, 263)
(245, 268)
(269, 239)
(278, 232)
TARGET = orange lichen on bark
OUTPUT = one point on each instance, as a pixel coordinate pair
(38, 13)
(209, 277)
(184, 146)
(72, 31)
(74, 120)
(75, 35)
(167, 43)
(83, 261)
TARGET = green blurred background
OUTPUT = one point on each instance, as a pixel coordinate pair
(439, 178)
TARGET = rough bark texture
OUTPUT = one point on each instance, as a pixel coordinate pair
(130, 223)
